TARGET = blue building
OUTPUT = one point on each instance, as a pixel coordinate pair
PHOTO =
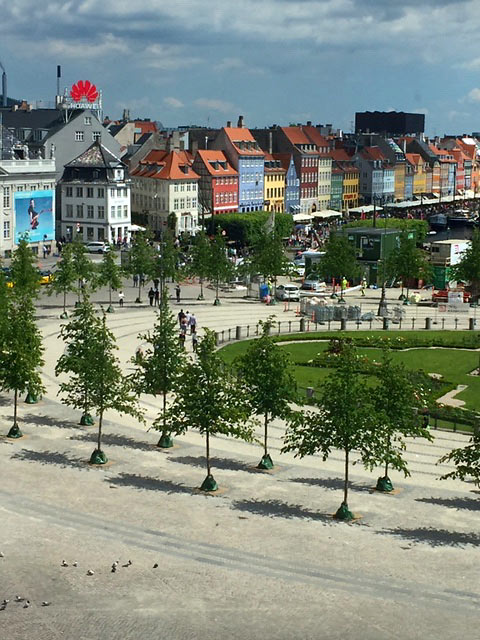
(292, 182)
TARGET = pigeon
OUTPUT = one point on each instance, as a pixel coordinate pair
(64, 564)
(3, 607)
(90, 572)
(27, 604)
(19, 599)
(5, 602)
(2, 555)
(114, 568)
(74, 564)
(45, 604)
(115, 564)
(155, 566)
(128, 564)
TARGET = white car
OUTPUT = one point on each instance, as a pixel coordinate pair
(288, 292)
(313, 283)
(97, 247)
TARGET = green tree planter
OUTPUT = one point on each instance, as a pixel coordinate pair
(266, 463)
(15, 432)
(166, 441)
(98, 457)
(86, 420)
(209, 484)
(344, 513)
(384, 484)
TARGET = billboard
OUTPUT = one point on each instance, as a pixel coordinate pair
(34, 215)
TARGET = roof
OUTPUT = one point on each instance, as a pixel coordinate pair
(373, 153)
(96, 156)
(299, 138)
(413, 158)
(216, 162)
(316, 137)
(166, 165)
(340, 155)
(285, 159)
(33, 119)
(243, 141)
(273, 165)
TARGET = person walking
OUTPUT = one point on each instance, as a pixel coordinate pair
(363, 286)
(157, 297)
(121, 296)
(180, 317)
(151, 296)
(177, 293)
(135, 279)
(194, 342)
(192, 323)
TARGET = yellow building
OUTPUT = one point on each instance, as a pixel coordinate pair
(419, 173)
(400, 169)
(351, 186)
(274, 185)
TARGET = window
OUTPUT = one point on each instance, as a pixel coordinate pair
(69, 211)
(175, 203)
(175, 187)
(182, 187)
(112, 212)
(101, 234)
(96, 136)
(125, 211)
(119, 211)
(79, 210)
(6, 197)
(20, 187)
(90, 211)
(69, 192)
(79, 192)
(101, 211)
(79, 136)
(6, 230)
(89, 233)
(100, 192)
(90, 192)
(87, 120)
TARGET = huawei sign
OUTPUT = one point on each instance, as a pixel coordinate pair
(84, 89)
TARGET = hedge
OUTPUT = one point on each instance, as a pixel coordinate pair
(246, 228)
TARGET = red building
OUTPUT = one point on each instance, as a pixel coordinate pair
(218, 185)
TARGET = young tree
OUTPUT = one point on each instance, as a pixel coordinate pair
(468, 269)
(159, 366)
(83, 268)
(21, 354)
(265, 370)
(78, 359)
(212, 400)
(466, 460)
(339, 260)
(219, 267)
(110, 274)
(396, 401)
(269, 258)
(109, 388)
(200, 255)
(141, 259)
(407, 261)
(25, 276)
(344, 420)
(64, 278)
(165, 261)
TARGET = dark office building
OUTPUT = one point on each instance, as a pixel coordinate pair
(389, 122)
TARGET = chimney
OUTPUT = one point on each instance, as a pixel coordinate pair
(59, 75)
(270, 142)
(4, 89)
(206, 142)
(240, 122)
(309, 123)
(229, 124)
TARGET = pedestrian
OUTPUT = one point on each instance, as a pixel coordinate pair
(181, 339)
(192, 322)
(156, 282)
(177, 292)
(142, 279)
(135, 279)
(187, 317)
(45, 251)
(180, 317)
(183, 325)
(194, 342)
(363, 286)
(157, 297)
(121, 296)
(151, 296)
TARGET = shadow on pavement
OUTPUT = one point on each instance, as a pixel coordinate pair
(435, 537)
(278, 509)
(145, 482)
(50, 457)
(334, 484)
(216, 463)
(114, 439)
(49, 422)
(471, 504)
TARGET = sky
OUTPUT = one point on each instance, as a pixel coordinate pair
(273, 61)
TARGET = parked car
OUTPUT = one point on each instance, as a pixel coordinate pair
(313, 283)
(7, 274)
(288, 292)
(97, 247)
(46, 276)
(442, 296)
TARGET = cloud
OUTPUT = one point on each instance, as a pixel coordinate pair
(175, 103)
(83, 49)
(474, 95)
(167, 57)
(223, 106)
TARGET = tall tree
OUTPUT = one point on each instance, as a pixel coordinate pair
(200, 255)
(210, 399)
(468, 269)
(339, 260)
(84, 269)
(407, 262)
(159, 365)
(396, 400)
(219, 267)
(21, 354)
(265, 369)
(109, 389)
(25, 276)
(78, 359)
(64, 277)
(165, 263)
(268, 257)
(344, 420)
(110, 275)
(141, 259)
(466, 460)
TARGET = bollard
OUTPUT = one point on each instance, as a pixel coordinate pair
(217, 338)
(238, 333)
(443, 323)
(248, 330)
(310, 392)
(456, 324)
(428, 323)
(413, 323)
(302, 324)
(229, 335)
(343, 324)
(386, 324)
(289, 326)
(471, 324)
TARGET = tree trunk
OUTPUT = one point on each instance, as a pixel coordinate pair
(345, 485)
(15, 402)
(201, 287)
(164, 410)
(100, 421)
(139, 289)
(217, 288)
(386, 470)
(64, 300)
(110, 295)
(265, 433)
(208, 451)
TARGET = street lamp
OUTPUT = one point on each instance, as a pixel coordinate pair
(382, 306)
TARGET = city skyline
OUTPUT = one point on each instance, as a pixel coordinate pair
(278, 61)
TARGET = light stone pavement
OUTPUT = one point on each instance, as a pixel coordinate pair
(263, 557)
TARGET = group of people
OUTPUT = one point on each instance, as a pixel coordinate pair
(186, 321)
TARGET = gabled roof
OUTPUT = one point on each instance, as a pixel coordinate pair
(96, 156)
(273, 165)
(296, 136)
(216, 162)
(243, 141)
(316, 137)
(339, 155)
(373, 153)
(413, 158)
(285, 159)
(166, 165)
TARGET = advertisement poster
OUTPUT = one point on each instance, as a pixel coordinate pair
(34, 215)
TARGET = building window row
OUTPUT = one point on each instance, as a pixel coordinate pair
(80, 211)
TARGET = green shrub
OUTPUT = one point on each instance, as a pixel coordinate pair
(246, 228)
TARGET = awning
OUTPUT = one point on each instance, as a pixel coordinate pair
(136, 227)
(297, 217)
(368, 208)
(326, 213)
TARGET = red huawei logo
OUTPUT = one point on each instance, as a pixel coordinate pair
(84, 89)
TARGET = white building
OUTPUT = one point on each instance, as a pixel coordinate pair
(95, 197)
(20, 176)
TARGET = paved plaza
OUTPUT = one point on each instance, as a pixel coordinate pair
(262, 558)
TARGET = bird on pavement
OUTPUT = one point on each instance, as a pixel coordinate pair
(19, 599)
(90, 572)
(64, 564)
(155, 566)
(74, 564)
(45, 604)
(27, 604)
(2, 554)
(128, 564)
(5, 602)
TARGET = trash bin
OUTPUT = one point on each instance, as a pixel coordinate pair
(386, 324)
(471, 324)
(310, 392)
(343, 324)
(302, 324)
(263, 289)
(428, 323)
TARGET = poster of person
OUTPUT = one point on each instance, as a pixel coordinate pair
(34, 215)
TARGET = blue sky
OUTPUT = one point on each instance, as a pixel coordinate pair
(273, 61)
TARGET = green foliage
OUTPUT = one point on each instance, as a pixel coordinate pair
(419, 227)
(141, 258)
(339, 259)
(83, 267)
(466, 460)
(200, 258)
(408, 262)
(247, 228)
(109, 273)
(219, 267)
(4, 311)
(165, 261)
(24, 271)
(268, 256)
(468, 269)
(65, 276)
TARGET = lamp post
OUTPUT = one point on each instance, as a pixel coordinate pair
(382, 306)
